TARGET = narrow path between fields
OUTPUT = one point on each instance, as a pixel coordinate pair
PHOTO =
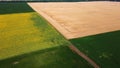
(76, 50)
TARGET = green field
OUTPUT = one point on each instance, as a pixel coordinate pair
(104, 49)
(28, 41)
(57, 57)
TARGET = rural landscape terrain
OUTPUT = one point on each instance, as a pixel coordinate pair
(60, 34)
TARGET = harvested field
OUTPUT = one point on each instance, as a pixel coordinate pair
(79, 19)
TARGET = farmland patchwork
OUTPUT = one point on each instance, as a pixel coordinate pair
(28, 41)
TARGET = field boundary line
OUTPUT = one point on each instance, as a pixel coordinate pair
(76, 50)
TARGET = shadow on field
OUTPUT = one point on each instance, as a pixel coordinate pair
(57, 57)
(9, 8)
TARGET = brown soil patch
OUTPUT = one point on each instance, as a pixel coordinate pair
(79, 19)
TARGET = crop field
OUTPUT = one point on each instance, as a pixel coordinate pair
(80, 19)
(103, 48)
(28, 41)
(25, 32)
